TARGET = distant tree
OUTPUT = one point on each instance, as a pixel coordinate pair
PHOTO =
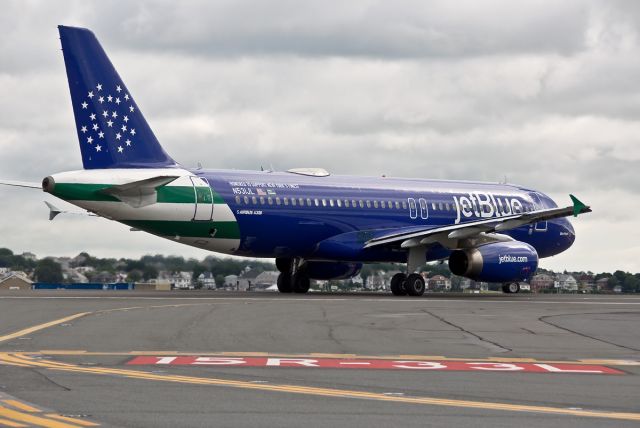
(149, 272)
(134, 276)
(197, 271)
(47, 270)
(219, 280)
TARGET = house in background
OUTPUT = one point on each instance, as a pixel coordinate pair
(566, 283)
(439, 282)
(15, 281)
(541, 282)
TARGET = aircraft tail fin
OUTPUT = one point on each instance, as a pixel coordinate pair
(112, 131)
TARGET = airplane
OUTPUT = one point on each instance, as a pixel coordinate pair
(315, 225)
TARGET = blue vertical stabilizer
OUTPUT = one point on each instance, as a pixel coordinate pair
(111, 129)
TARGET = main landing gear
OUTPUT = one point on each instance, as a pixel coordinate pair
(293, 276)
(512, 287)
(412, 285)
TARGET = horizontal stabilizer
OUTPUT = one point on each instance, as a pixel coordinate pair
(53, 210)
(21, 184)
(139, 193)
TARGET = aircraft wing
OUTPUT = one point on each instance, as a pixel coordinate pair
(139, 193)
(486, 230)
(21, 184)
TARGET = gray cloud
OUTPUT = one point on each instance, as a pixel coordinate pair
(544, 93)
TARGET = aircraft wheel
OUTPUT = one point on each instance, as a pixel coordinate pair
(301, 282)
(512, 287)
(414, 285)
(284, 283)
(397, 284)
(284, 264)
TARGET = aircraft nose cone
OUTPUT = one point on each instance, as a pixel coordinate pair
(570, 233)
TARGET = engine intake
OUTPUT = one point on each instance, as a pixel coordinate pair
(498, 262)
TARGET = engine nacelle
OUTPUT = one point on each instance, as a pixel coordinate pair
(332, 270)
(498, 262)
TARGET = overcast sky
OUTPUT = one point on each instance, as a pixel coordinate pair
(546, 93)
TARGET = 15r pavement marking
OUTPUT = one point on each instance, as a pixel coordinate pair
(81, 352)
(20, 359)
(316, 391)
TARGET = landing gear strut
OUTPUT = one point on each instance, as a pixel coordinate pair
(512, 287)
(412, 284)
(293, 276)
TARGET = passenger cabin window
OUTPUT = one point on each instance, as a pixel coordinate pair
(308, 202)
(254, 201)
(285, 200)
(339, 202)
(375, 204)
(317, 202)
(261, 200)
(246, 200)
(270, 200)
(346, 203)
(331, 202)
(361, 203)
(277, 200)
(237, 199)
(293, 201)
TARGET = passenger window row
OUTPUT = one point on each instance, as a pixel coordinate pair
(321, 202)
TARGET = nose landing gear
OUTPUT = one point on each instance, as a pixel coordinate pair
(512, 287)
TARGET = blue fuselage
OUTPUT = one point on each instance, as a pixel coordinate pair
(283, 214)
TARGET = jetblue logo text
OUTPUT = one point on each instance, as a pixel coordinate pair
(485, 205)
(512, 259)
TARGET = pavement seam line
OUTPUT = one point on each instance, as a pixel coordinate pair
(326, 392)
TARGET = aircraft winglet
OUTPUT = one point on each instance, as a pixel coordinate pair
(578, 206)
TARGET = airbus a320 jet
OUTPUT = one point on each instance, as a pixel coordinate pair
(316, 225)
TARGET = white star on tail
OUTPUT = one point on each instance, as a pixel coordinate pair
(98, 148)
(120, 149)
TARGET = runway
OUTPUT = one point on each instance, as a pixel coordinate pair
(257, 359)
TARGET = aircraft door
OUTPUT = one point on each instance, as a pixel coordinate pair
(424, 209)
(413, 210)
(203, 199)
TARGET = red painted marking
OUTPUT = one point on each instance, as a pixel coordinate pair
(336, 363)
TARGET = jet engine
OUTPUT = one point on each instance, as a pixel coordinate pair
(332, 270)
(497, 262)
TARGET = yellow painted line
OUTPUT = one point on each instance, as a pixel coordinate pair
(32, 419)
(606, 362)
(324, 392)
(41, 327)
(73, 420)
(7, 422)
(21, 406)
